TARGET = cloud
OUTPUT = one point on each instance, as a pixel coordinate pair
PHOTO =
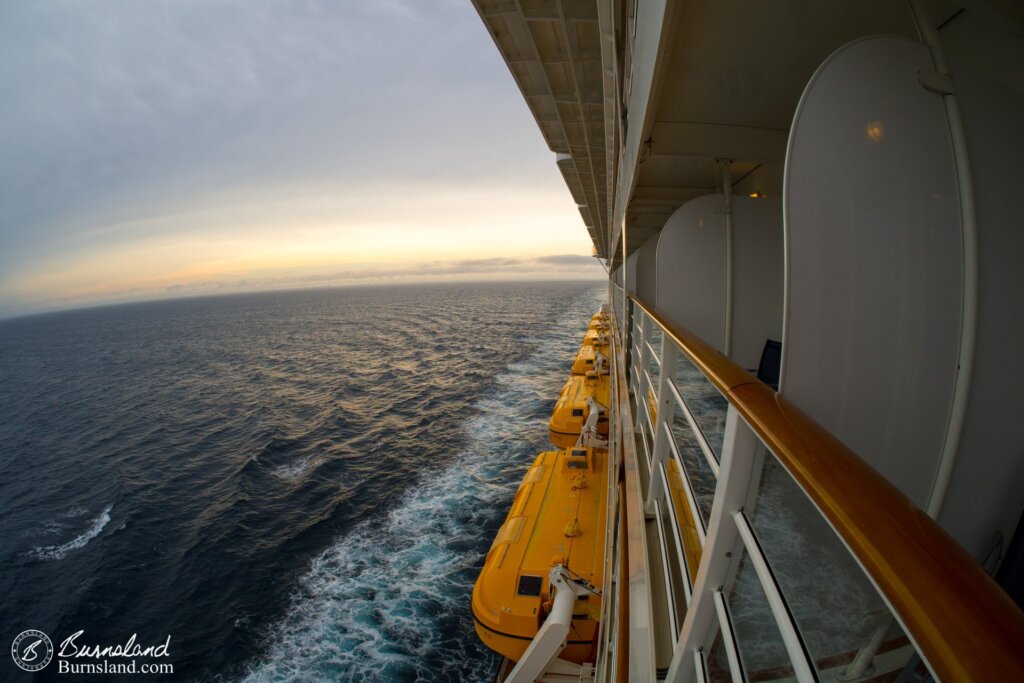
(115, 110)
(514, 268)
(568, 259)
(151, 149)
(269, 279)
(496, 262)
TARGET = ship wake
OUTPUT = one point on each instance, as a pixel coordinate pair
(390, 599)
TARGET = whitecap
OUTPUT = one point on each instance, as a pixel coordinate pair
(57, 552)
(293, 471)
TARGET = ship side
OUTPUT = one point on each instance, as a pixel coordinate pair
(811, 445)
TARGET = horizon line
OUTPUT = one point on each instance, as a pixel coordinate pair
(355, 285)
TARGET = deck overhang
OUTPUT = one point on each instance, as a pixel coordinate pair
(554, 50)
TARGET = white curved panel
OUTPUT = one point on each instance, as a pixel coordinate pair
(646, 271)
(691, 266)
(873, 235)
(691, 269)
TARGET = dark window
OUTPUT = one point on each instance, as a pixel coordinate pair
(577, 412)
(771, 360)
(530, 585)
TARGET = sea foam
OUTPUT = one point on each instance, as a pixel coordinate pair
(390, 599)
(58, 552)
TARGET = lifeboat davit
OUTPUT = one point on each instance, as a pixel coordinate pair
(598, 339)
(573, 408)
(557, 520)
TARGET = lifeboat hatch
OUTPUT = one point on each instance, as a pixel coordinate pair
(530, 586)
(576, 459)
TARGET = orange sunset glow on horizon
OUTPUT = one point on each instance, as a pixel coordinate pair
(364, 147)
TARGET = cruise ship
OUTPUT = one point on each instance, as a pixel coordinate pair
(813, 466)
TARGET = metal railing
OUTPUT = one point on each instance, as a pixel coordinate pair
(809, 565)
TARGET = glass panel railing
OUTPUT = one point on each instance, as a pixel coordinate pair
(657, 338)
(758, 641)
(654, 370)
(834, 605)
(719, 668)
(804, 606)
(723, 658)
(675, 582)
(695, 466)
(645, 445)
(688, 530)
(706, 404)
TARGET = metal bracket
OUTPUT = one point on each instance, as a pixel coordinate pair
(550, 640)
(936, 82)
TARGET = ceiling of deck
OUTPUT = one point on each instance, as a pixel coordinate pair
(734, 76)
(553, 49)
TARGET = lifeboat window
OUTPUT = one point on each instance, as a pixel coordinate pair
(590, 361)
(578, 452)
(576, 463)
(530, 585)
(577, 412)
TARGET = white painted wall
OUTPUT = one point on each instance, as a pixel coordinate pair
(986, 494)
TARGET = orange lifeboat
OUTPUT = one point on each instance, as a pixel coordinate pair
(574, 405)
(557, 519)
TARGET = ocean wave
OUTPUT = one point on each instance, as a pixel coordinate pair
(368, 607)
(58, 552)
(390, 599)
(267, 476)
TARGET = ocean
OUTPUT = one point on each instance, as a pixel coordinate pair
(294, 485)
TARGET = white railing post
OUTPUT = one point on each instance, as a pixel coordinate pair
(641, 371)
(636, 332)
(666, 411)
(721, 554)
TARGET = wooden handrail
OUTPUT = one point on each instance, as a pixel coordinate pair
(963, 624)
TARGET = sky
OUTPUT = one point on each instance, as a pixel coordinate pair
(159, 149)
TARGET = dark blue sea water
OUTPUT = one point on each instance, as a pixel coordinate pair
(293, 486)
